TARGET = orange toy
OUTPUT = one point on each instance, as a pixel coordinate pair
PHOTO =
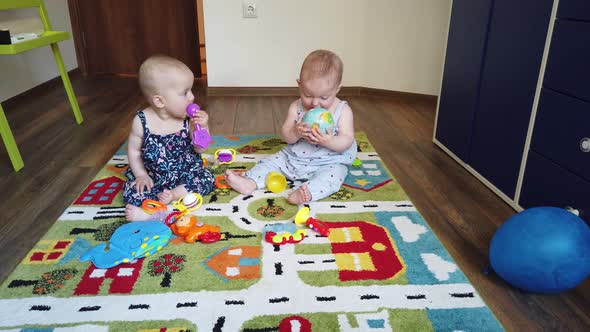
(220, 182)
(191, 230)
(150, 206)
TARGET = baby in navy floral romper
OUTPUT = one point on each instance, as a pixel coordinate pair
(163, 163)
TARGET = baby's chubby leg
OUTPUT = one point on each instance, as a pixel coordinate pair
(135, 213)
(255, 178)
(239, 183)
(134, 199)
(300, 196)
(169, 195)
(199, 181)
(323, 183)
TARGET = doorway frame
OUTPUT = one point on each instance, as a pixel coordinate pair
(79, 41)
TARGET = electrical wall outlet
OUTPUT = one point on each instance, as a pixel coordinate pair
(249, 9)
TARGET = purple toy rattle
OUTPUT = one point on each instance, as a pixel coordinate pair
(201, 137)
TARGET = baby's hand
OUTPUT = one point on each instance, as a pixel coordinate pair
(318, 137)
(302, 130)
(142, 182)
(201, 118)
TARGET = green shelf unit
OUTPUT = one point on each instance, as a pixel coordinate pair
(46, 39)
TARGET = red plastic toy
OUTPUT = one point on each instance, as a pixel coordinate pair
(284, 238)
(318, 226)
(302, 217)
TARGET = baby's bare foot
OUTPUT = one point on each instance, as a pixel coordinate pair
(168, 195)
(300, 196)
(239, 183)
(179, 192)
(165, 196)
(135, 213)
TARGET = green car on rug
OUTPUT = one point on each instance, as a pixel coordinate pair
(381, 268)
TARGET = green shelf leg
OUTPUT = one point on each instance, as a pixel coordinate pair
(66, 79)
(15, 158)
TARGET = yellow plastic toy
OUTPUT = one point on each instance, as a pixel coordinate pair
(276, 182)
(302, 216)
(189, 203)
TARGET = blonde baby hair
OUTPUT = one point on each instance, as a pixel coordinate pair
(321, 63)
(152, 70)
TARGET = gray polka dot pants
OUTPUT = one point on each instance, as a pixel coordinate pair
(322, 181)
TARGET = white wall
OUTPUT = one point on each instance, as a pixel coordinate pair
(407, 39)
(386, 44)
(24, 71)
(269, 50)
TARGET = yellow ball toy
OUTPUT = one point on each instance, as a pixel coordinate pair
(276, 182)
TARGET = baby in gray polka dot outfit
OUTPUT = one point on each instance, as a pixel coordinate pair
(321, 158)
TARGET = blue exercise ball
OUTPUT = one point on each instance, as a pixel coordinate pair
(542, 249)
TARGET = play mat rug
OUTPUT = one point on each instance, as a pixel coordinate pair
(381, 268)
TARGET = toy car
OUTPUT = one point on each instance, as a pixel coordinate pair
(284, 238)
(318, 226)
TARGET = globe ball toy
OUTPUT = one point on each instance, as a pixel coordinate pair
(543, 249)
(319, 118)
(276, 182)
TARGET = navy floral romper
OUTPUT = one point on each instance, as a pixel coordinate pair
(170, 161)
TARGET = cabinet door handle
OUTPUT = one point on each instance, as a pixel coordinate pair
(585, 144)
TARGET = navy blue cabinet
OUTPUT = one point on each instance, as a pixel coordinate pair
(548, 184)
(483, 114)
(558, 163)
(516, 41)
(462, 73)
(529, 143)
(567, 66)
(562, 132)
(578, 10)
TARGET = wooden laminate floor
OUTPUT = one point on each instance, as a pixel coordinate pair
(61, 158)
